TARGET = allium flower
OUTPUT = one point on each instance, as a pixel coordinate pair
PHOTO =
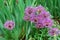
(39, 9)
(45, 14)
(48, 22)
(27, 18)
(29, 11)
(9, 24)
(34, 19)
(53, 31)
(40, 17)
(39, 25)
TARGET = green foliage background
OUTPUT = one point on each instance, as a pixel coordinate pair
(14, 10)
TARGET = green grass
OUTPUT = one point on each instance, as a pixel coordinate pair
(12, 10)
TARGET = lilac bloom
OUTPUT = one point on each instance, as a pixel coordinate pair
(9, 24)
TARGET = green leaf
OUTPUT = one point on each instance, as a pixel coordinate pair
(1, 24)
(21, 6)
(1, 38)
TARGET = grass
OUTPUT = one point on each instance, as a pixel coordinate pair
(14, 10)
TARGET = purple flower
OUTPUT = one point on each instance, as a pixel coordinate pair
(9, 24)
(47, 22)
(39, 25)
(40, 17)
(29, 11)
(39, 9)
(34, 19)
(53, 31)
(45, 14)
(27, 18)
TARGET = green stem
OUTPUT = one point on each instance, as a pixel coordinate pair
(26, 31)
(55, 38)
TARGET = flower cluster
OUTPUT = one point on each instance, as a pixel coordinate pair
(9, 24)
(39, 16)
(54, 31)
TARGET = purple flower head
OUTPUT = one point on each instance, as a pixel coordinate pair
(53, 31)
(39, 25)
(34, 19)
(40, 17)
(39, 9)
(45, 14)
(30, 11)
(9, 24)
(27, 18)
(48, 22)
